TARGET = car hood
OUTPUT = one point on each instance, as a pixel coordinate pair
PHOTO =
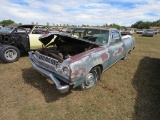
(48, 37)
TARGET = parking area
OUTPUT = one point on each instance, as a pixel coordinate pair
(128, 90)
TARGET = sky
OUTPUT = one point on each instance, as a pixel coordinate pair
(78, 12)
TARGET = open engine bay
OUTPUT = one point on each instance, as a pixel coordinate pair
(63, 48)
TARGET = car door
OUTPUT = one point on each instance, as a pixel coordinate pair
(116, 47)
(34, 37)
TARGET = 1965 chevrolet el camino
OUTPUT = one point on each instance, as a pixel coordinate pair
(80, 58)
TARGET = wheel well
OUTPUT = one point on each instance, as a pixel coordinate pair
(101, 67)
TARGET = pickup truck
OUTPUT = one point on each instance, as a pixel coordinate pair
(21, 39)
(80, 58)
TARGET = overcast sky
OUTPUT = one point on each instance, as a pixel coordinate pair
(78, 12)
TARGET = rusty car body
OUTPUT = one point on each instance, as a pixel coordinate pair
(80, 58)
(18, 40)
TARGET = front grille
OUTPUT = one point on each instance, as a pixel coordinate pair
(43, 64)
(45, 61)
(46, 58)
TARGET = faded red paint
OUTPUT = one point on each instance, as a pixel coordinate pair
(84, 54)
(105, 56)
(119, 51)
(77, 72)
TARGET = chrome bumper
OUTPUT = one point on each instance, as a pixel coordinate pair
(61, 88)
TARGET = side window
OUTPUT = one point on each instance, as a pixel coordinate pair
(39, 30)
(36, 30)
(116, 38)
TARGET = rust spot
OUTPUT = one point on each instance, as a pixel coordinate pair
(79, 72)
(105, 56)
(118, 51)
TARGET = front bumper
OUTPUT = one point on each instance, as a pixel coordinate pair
(61, 88)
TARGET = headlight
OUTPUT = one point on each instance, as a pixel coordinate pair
(65, 71)
(58, 67)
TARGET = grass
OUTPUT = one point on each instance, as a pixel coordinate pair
(129, 90)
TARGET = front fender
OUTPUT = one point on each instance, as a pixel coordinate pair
(81, 67)
(2, 46)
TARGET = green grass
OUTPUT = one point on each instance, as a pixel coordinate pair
(129, 90)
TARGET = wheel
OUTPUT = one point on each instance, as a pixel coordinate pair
(131, 50)
(91, 78)
(9, 54)
(125, 56)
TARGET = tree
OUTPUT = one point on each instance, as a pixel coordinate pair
(47, 23)
(146, 25)
(136, 25)
(6, 22)
(32, 23)
(19, 23)
(114, 26)
(156, 23)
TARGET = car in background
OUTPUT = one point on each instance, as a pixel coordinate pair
(22, 39)
(125, 33)
(54, 30)
(148, 32)
(156, 31)
(139, 31)
(69, 30)
(64, 30)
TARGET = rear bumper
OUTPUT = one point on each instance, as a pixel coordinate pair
(61, 88)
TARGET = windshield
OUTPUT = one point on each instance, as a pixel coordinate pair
(149, 30)
(94, 35)
(7, 29)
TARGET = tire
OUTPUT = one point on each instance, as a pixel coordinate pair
(125, 56)
(91, 78)
(9, 54)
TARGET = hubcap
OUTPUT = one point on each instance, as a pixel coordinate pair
(90, 80)
(10, 54)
